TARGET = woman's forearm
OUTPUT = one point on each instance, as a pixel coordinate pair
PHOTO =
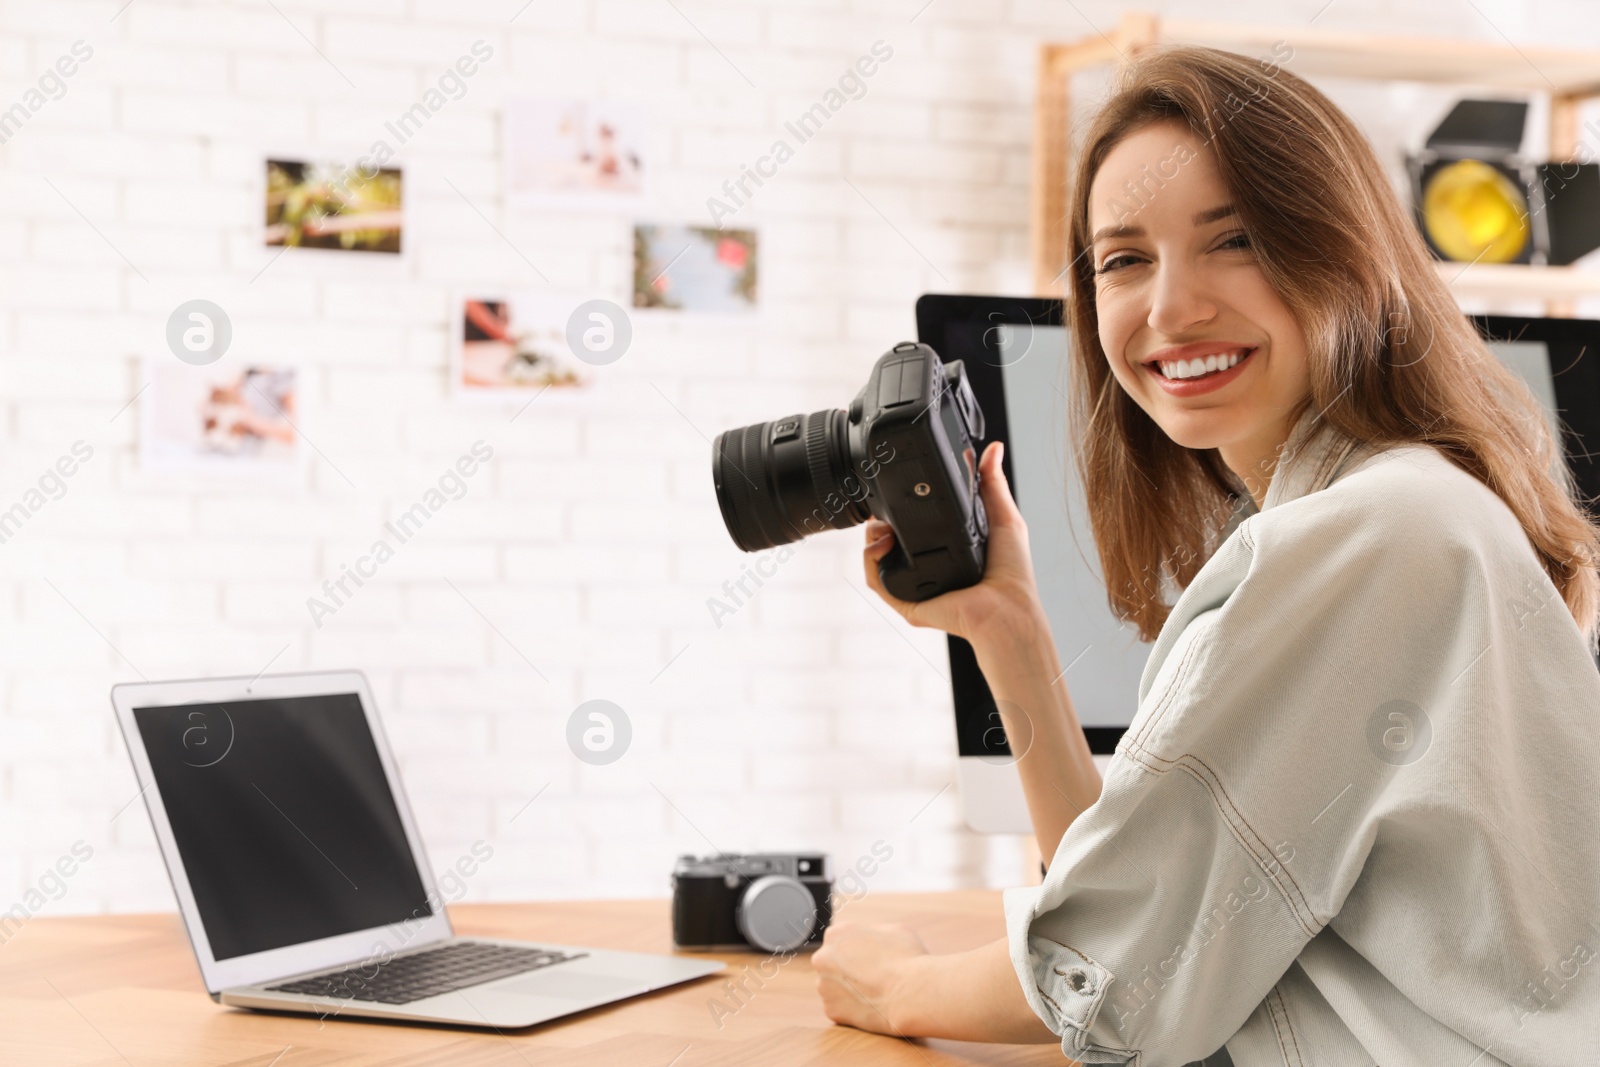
(968, 996)
(1059, 778)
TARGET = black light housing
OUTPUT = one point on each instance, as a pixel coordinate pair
(1478, 200)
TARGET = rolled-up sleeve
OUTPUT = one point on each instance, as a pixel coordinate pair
(1241, 804)
(1157, 932)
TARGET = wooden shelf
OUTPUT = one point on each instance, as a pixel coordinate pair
(1569, 76)
(1422, 59)
(1520, 282)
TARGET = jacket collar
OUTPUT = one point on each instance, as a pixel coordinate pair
(1314, 456)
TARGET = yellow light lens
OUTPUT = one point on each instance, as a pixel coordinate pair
(1472, 212)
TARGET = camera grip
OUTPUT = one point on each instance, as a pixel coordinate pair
(927, 574)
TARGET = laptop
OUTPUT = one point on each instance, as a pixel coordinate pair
(301, 877)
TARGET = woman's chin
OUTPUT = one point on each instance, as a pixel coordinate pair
(1199, 430)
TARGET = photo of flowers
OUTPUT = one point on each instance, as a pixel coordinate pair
(510, 346)
(694, 268)
(575, 153)
(352, 208)
(221, 418)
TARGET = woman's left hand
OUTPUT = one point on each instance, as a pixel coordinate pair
(865, 974)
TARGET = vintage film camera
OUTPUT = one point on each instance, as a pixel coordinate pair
(776, 902)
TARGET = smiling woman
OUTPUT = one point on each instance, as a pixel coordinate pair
(1322, 497)
(1179, 294)
(1285, 240)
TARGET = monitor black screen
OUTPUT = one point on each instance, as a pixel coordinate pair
(284, 819)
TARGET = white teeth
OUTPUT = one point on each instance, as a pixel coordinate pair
(1194, 368)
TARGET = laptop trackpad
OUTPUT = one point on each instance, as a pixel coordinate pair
(574, 986)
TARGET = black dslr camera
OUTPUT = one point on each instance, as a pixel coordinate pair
(905, 451)
(774, 902)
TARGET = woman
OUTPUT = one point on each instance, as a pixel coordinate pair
(1352, 820)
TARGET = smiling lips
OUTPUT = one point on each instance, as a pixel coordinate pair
(1198, 368)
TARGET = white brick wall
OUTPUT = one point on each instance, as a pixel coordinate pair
(592, 540)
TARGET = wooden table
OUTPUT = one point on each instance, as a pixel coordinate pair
(124, 990)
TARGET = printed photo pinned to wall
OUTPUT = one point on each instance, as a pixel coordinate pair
(576, 153)
(222, 418)
(513, 346)
(694, 269)
(350, 207)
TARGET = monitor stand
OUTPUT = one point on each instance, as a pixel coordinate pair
(991, 794)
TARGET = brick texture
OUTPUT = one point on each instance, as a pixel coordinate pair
(579, 563)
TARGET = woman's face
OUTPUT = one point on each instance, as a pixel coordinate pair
(1189, 324)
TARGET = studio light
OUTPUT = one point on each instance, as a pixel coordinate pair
(1479, 201)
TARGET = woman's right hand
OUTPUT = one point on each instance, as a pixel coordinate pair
(1006, 596)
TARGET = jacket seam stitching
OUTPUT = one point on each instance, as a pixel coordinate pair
(1157, 712)
(1233, 818)
(1275, 1007)
(1277, 1031)
(1167, 697)
(1091, 1046)
(1135, 747)
(1069, 948)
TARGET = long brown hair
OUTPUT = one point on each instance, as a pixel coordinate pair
(1392, 357)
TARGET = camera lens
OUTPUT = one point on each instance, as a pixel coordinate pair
(782, 480)
(777, 913)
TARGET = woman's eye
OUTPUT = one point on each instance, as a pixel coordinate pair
(1238, 240)
(1116, 263)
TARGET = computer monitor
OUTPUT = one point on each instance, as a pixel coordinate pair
(1015, 351)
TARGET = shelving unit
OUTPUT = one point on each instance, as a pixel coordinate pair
(1569, 76)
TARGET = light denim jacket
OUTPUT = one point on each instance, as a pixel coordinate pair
(1355, 819)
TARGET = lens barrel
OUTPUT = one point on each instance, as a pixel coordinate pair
(782, 480)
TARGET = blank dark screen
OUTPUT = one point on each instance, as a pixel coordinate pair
(284, 819)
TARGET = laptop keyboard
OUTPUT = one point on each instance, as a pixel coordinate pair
(404, 979)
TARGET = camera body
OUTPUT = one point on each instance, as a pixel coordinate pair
(920, 416)
(905, 451)
(776, 902)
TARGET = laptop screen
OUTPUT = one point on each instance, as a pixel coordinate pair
(284, 819)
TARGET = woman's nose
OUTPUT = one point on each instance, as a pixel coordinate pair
(1179, 301)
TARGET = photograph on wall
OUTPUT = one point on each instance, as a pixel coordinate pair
(222, 417)
(351, 207)
(694, 268)
(511, 345)
(575, 153)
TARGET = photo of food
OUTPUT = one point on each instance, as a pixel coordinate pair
(694, 268)
(219, 418)
(566, 153)
(352, 208)
(510, 345)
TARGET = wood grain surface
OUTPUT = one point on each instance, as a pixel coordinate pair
(125, 990)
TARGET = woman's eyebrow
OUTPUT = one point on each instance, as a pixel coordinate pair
(1213, 214)
(1107, 232)
(1202, 218)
